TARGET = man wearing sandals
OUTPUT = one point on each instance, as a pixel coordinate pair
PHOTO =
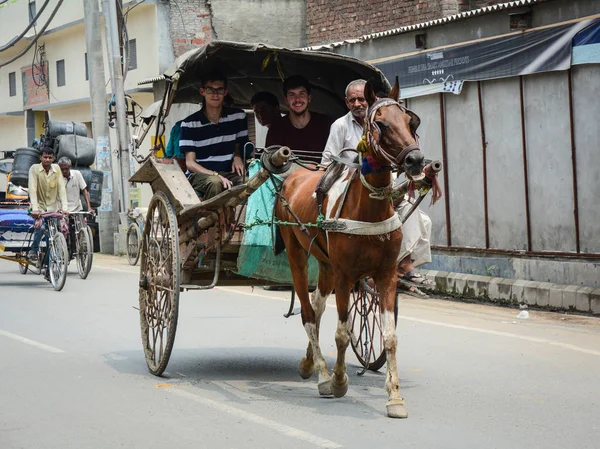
(345, 133)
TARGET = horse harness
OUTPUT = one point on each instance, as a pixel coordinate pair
(333, 172)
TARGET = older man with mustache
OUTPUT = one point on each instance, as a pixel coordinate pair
(347, 131)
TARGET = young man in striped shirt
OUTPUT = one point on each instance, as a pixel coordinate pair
(213, 140)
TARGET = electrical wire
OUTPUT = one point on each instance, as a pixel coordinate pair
(131, 7)
(31, 24)
(35, 39)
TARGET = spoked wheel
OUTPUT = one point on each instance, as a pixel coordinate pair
(58, 261)
(134, 240)
(85, 252)
(159, 283)
(366, 330)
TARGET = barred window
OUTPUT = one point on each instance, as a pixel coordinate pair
(60, 73)
(132, 55)
(12, 84)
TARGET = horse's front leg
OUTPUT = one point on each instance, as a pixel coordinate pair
(386, 284)
(339, 384)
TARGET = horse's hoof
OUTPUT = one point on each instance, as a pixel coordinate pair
(325, 388)
(396, 409)
(305, 369)
(340, 390)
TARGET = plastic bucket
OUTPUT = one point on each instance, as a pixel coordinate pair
(24, 159)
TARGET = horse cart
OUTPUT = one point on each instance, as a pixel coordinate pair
(192, 244)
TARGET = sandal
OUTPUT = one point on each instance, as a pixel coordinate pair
(413, 277)
(411, 290)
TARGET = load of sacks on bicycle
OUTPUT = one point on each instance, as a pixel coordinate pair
(55, 188)
(212, 142)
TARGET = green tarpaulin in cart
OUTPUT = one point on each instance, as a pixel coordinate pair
(256, 258)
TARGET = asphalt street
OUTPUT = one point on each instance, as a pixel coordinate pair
(73, 373)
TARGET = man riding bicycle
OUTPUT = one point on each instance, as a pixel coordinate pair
(46, 194)
(75, 185)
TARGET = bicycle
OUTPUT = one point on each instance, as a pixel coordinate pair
(134, 234)
(83, 249)
(52, 254)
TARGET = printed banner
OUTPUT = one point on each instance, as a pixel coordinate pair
(535, 51)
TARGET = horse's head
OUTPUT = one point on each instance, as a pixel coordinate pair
(392, 132)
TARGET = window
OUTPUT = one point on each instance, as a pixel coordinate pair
(87, 74)
(132, 55)
(32, 10)
(12, 84)
(60, 72)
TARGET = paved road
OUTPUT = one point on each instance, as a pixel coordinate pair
(73, 374)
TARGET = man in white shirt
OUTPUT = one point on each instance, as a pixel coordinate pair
(75, 186)
(345, 133)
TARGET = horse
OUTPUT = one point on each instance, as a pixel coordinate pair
(390, 142)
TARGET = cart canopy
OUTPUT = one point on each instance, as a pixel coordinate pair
(251, 68)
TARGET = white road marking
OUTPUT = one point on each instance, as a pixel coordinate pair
(504, 334)
(437, 323)
(284, 429)
(31, 342)
(456, 326)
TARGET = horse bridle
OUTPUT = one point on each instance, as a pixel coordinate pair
(373, 133)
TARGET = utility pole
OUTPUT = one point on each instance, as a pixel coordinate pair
(109, 8)
(108, 219)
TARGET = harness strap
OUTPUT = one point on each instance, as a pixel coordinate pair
(354, 227)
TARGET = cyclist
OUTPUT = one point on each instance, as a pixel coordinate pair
(46, 194)
(75, 185)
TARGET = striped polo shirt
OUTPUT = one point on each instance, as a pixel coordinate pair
(214, 143)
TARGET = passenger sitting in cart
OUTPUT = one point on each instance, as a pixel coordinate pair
(47, 193)
(303, 131)
(213, 139)
(75, 185)
(266, 108)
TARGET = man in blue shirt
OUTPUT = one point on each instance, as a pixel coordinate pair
(213, 140)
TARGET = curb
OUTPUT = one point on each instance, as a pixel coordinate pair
(513, 292)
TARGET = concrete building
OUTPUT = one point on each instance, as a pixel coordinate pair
(521, 178)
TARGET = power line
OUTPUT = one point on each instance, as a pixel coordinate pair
(35, 39)
(31, 24)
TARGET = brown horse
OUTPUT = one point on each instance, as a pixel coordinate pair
(345, 258)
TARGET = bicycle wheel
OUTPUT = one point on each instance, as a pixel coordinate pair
(85, 252)
(366, 330)
(58, 261)
(134, 238)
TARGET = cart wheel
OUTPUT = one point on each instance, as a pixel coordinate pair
(58, 261)
(85, 252)
(159, 283)
(23, 268)
(134, 239)
(366, 334)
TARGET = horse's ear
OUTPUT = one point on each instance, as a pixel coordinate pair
(395, 92)
(370, 93)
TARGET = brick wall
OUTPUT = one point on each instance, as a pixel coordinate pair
(335, 20)
(190, 24)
